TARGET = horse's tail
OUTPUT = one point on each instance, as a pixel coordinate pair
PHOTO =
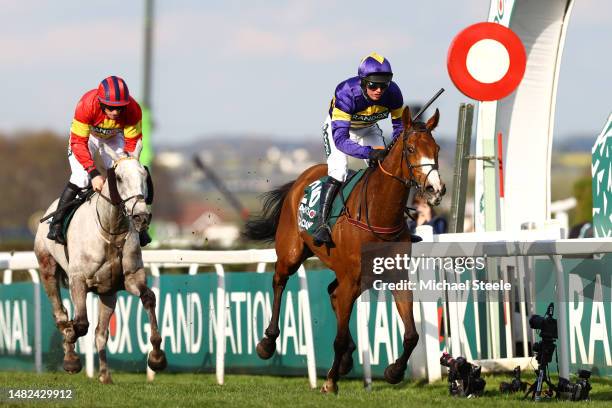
(263, 227)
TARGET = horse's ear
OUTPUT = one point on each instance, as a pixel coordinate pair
(407, 118)
(113, 155)
(137, 150)
(433, 121)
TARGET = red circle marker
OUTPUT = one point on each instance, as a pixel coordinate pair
(456, 61)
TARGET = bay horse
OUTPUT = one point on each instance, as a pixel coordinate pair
(380, 198)
(102, 256)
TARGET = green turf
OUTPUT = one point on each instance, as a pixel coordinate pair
(177, 390)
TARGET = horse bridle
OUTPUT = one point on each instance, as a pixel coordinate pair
(408, 183)
(407, 150)
(115, 199)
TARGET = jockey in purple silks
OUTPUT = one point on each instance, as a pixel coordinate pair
(351, 127)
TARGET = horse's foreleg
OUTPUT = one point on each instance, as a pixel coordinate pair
(346, 364)
(135, 283)
(48, 274)
(106, 308)
(345, 295)
(394, 373)
(76, 328)
(267, 345)
(78, 294)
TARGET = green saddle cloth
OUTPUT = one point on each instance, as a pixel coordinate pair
(309, 211)
(68, 218)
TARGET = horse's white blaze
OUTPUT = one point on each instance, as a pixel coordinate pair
(433, 177)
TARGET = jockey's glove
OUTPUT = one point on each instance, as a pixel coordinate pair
(377, 154)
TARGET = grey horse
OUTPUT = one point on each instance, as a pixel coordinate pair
(104, 256)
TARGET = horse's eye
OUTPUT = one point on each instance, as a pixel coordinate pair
(410, 149)
(118, 179)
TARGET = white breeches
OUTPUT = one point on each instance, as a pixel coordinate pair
(337, 162)
(79, 176)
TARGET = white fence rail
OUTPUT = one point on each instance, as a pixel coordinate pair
(519, 249)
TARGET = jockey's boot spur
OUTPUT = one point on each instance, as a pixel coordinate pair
(55, 228)
(329, 189)
(144, 237)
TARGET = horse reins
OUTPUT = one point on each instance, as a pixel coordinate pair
(120, 203)
(407, 183)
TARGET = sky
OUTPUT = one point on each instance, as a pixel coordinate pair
(264, 67)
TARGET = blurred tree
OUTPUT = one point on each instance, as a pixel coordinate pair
(33, 170)
(584, 197)
(166, 200)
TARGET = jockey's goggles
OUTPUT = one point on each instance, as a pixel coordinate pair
(377, 85)
(112, 108)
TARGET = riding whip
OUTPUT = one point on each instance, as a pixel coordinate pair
(429, 102)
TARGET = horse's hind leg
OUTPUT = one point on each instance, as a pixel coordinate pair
(394, 373)
(49, 271)
(106, 308)
(136, 284)
(290, 257)
(49, 274)
(346, 363)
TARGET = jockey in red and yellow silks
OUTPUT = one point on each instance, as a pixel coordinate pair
(107, 116)
(89, 119)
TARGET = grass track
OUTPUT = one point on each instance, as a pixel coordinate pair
(177, 390)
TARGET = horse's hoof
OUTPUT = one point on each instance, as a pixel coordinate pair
(80, 328)
(105, 378)
(72, 365)
(266, 348)
(157, 360)
(329, 387)
(346, 364)
(394, 374)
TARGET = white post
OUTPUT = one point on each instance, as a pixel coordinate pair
(304, 302)
(7, 279)
(561, 298)
(429, 324)
(37, 321)
(154, 288)
(90, 336)
(363, 337)
(193, 269)
(453, 298)
(220, 352)
(508, 312)
(493, 312)
(522, 266)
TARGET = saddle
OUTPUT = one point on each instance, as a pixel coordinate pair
(71, 210)
(308, 210)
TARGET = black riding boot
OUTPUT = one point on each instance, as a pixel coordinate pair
(55, 229)
(329, 189)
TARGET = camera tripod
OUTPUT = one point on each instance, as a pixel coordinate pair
(536, 388)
